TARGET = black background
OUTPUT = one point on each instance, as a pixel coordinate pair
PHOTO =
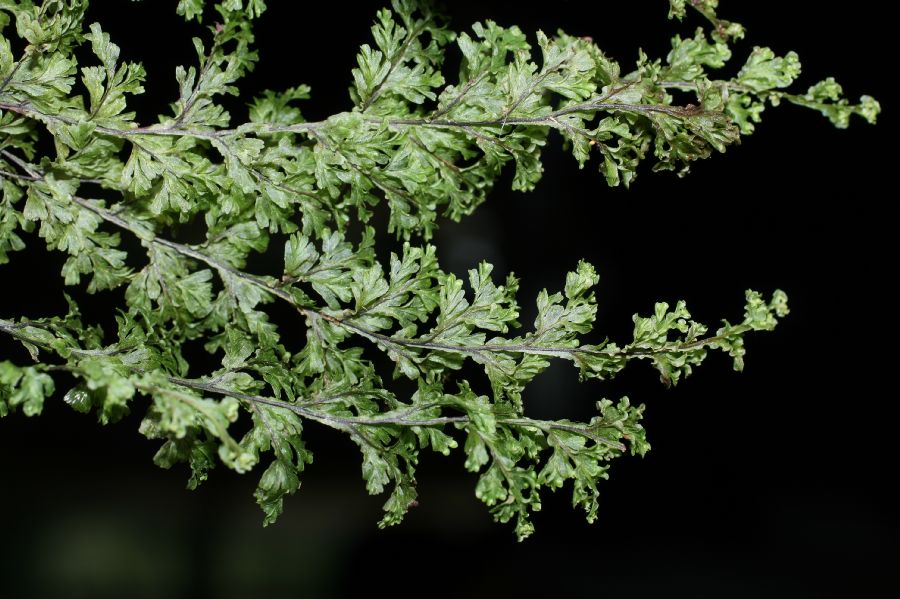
(776, 482)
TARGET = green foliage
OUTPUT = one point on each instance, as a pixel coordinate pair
(24, 388)
(424, 147)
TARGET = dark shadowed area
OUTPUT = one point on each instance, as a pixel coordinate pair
(777, 482)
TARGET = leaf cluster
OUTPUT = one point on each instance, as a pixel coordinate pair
(421, 146)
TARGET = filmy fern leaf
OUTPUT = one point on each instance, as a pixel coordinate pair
(424, 142)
